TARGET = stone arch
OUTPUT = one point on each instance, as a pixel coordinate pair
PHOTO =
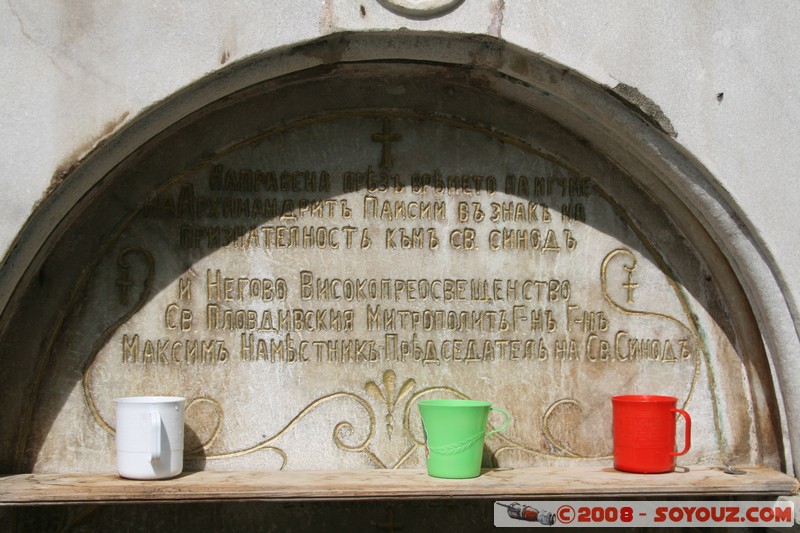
(585, 125)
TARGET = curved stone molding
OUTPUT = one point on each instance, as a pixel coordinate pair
(420, 8)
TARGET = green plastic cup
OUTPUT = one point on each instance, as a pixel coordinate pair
(454, 434)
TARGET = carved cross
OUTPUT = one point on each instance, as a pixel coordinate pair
(386, 137)
(124, 283)
(630, 285)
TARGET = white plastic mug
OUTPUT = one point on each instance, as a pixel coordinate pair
(150, 436)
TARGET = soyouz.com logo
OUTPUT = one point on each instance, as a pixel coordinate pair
(641, 514)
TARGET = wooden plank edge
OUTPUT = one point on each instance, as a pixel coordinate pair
(52, 489)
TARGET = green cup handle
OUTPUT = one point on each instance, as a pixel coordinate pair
(505, 425)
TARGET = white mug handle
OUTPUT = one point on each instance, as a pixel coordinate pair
(155, 428)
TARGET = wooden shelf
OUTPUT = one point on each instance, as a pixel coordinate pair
(525, 483)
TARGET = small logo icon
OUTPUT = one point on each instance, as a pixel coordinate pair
(529, 514)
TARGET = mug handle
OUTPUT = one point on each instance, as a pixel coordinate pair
(505, 425)
(688, 440)
(155, 428)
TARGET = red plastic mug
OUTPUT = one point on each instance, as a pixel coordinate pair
(644, 433)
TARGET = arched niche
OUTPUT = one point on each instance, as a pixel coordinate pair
(308, 242)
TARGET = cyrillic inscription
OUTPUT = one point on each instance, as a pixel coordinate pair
(292, 273)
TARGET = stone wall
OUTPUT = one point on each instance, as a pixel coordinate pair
(692, 104)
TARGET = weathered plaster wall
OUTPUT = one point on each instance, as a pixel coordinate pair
(724, 74)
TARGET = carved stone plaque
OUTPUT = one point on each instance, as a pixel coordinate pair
(305, 285)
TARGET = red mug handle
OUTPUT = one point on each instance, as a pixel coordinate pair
(688, 420)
